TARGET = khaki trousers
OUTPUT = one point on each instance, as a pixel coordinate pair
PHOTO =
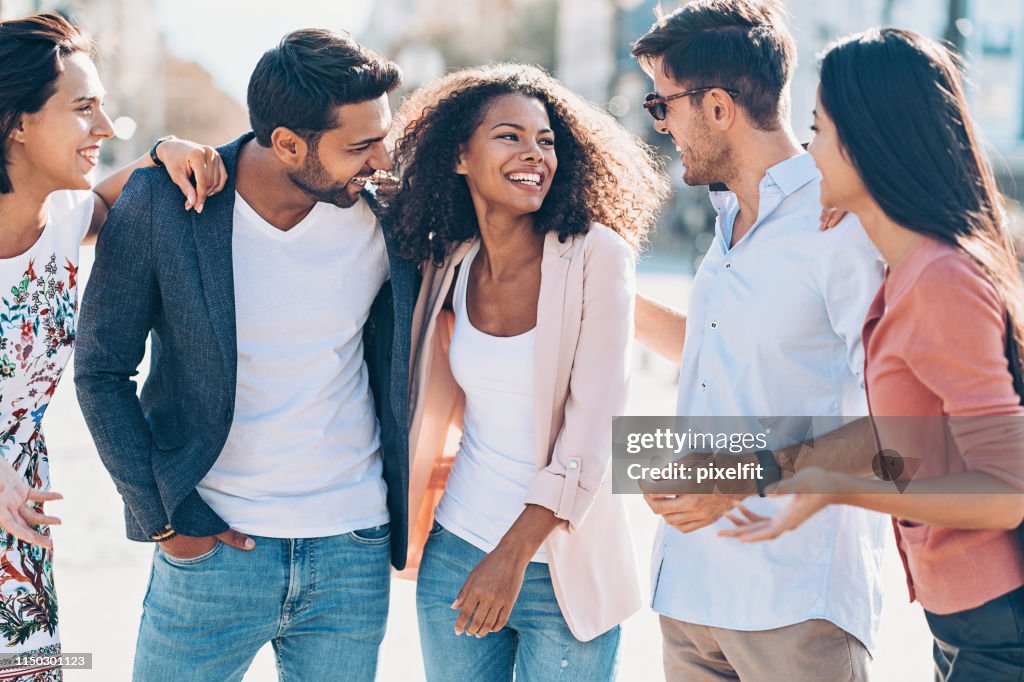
(815, 651)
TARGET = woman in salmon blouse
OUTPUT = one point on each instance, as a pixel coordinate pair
(895, 145)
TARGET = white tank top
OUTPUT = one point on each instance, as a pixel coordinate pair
(496, 463)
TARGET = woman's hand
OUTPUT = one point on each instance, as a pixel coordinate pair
(489, 593)
(830, 217)
(812, 488)
(185, 160)
(17, 512)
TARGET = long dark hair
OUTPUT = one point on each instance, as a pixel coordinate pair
(32, 53)
(898, 103)
(605, 174)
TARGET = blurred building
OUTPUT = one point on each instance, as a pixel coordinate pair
(428, 37)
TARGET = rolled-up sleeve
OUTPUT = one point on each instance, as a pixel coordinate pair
(598, 383)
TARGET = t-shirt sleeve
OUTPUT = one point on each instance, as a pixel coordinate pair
(70, 211)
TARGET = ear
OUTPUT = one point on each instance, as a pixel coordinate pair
(289, 147)
(460, 162)
(17, 133)
(720, 109)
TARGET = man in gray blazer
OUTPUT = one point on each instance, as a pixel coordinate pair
(267, 454)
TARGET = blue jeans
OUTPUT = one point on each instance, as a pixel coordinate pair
(321, 602)
(535, 644)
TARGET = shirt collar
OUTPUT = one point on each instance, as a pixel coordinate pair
(793, 173)
(788, 176)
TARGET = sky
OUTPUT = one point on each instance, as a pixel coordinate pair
(228, 36)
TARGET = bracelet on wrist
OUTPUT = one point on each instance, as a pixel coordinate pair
(152, 150)
(165, 533)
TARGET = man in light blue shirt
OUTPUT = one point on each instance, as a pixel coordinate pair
(774, 329)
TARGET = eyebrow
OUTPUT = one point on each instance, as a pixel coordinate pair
(519, 127)
(87, 98)
(369, 140)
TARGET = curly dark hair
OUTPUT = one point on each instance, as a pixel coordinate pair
(605, 174)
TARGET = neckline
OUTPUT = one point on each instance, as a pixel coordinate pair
(467, 262)
(39, 239)
(300, 228)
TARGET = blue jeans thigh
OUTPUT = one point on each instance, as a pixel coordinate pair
(339, 619)
(447, 657)
(548, 650)
(536, 643)
(205, 619)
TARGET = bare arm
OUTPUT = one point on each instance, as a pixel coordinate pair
(971, 501)
(660, 328)
(849, 449)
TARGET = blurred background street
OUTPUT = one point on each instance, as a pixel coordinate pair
(181, 66)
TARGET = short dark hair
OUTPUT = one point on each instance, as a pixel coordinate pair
(311, 72)
(740, 44)
(32, 53)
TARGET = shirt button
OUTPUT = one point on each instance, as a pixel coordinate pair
(728, 266)
(714, 325)
(703, 386)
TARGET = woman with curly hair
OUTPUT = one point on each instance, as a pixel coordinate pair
(526, 205)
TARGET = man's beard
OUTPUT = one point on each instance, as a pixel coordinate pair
(710, 165)
(314, 180)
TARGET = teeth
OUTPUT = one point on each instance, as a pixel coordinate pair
(528, 178)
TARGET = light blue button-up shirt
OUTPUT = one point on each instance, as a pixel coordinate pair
(774, 329)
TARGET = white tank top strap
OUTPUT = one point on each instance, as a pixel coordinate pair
(462, 283)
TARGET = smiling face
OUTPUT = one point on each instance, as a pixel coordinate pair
(841, 184)
(59, 145)
(336, 166)
(705, 155)
(509, 160)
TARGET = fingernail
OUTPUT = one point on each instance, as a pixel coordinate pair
(249, 544)
(199, 208)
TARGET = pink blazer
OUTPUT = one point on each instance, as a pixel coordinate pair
(583, 344)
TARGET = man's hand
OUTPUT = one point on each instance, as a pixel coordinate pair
(489, 593)
(188, 547)
(186, 160)
(687, 513)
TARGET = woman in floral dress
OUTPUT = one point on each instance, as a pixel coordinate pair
(52, 125)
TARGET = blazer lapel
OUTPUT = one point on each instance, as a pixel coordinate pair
(554, 269)
(212, 233)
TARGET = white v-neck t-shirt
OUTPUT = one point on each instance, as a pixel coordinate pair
(302, 458)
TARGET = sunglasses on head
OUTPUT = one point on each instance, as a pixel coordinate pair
(657, 106)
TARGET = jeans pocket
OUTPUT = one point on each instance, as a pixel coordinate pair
(377, 535)
(436, 529)
(194, 561)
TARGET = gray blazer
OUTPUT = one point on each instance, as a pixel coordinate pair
(165, 274)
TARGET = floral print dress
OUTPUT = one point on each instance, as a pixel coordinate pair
(38, 306)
